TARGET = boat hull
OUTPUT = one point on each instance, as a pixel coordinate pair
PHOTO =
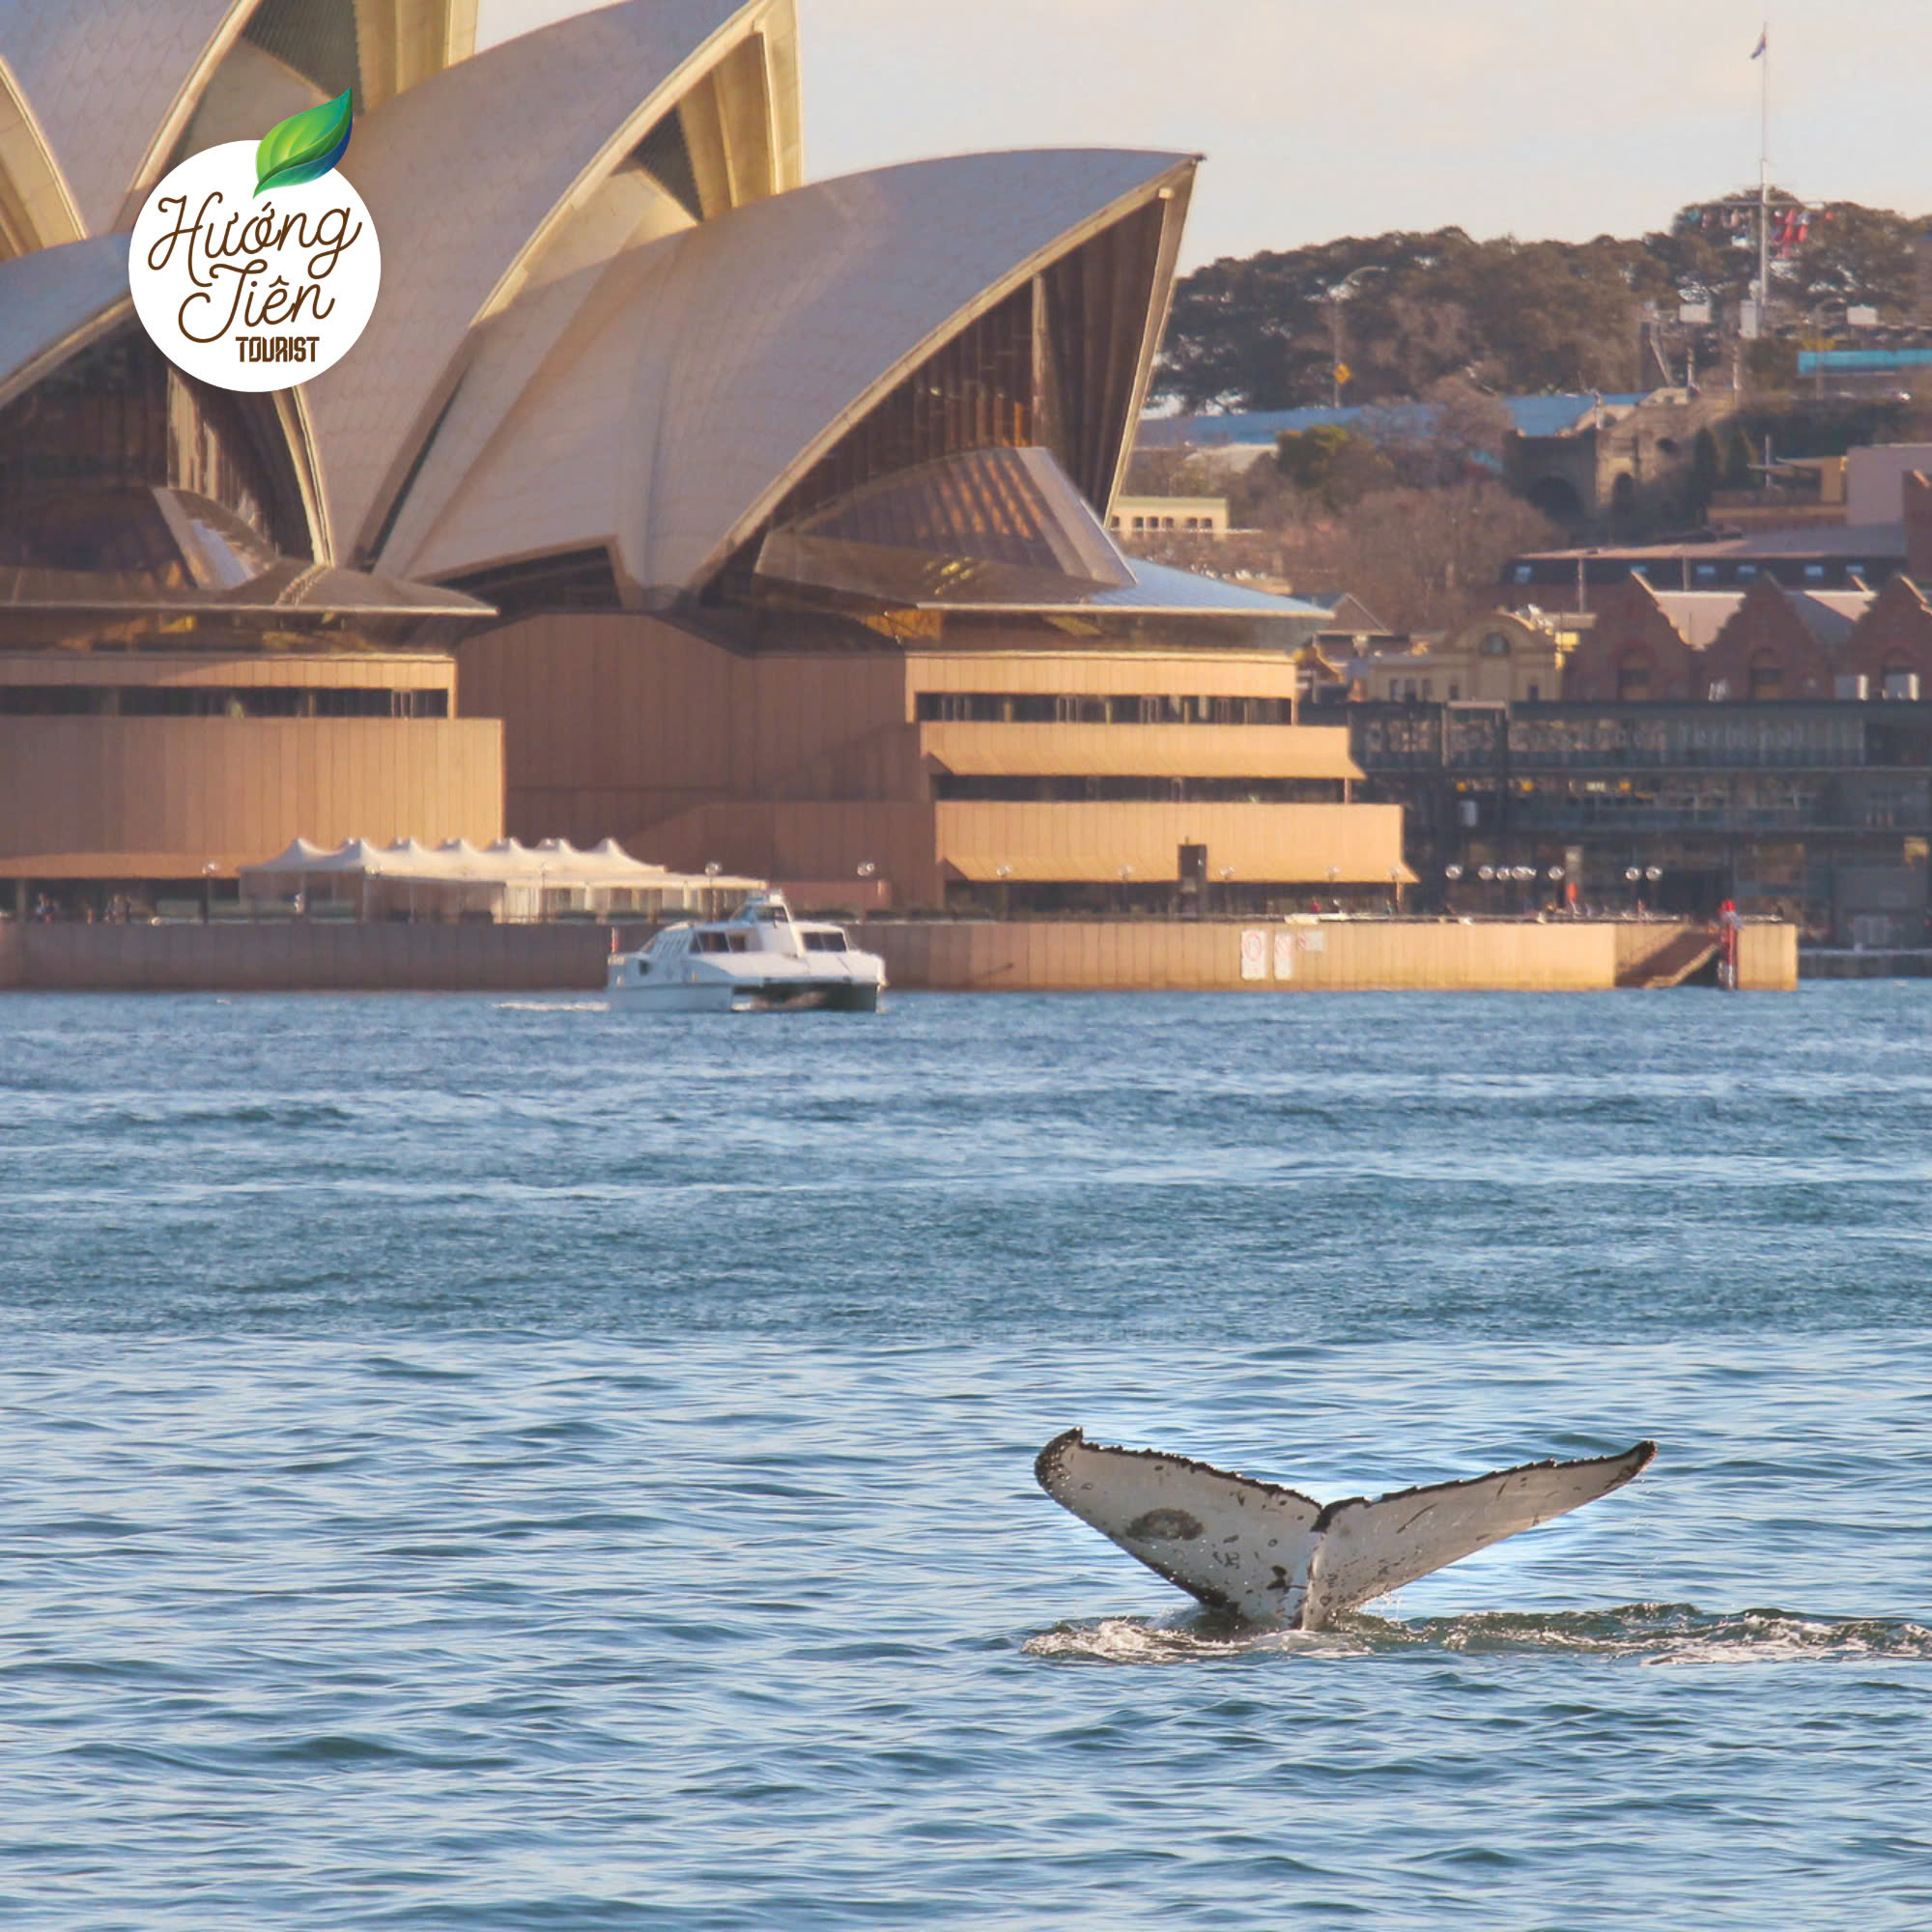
(744, 997)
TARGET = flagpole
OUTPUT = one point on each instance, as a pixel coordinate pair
(1764, 181)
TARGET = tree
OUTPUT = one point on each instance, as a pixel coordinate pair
(1330, 464)
(1700, 482)
(1420, 559)
(1453, 434)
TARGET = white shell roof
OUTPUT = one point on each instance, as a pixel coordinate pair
(710, 369)
(505, 355)
(52, 301)
(465, 175)
(112, 83)
(104, 77)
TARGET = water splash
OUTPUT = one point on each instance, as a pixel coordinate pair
(1648, 1633)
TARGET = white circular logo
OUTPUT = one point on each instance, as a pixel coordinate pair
(247, 290)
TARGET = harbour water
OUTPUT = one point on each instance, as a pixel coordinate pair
(479, 1463)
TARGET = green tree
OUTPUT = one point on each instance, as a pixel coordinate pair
(1701, 480)
(1330, 464)
(1406, 310)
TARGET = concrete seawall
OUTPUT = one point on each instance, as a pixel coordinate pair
(1300, 956)
(308, 956)
(1303, 955)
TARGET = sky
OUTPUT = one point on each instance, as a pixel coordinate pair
(1533, 118)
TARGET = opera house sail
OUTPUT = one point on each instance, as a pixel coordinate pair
(764, 519)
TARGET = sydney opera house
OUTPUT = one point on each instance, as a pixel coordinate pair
(668, 495)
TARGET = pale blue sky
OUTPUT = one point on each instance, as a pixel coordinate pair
(1527, 117)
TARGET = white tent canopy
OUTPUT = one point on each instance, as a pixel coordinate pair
(519, 881)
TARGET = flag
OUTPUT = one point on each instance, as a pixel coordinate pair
(1763, 42)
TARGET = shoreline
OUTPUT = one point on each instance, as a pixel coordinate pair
(1301, 953)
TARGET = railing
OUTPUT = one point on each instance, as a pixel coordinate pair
(1527, 817)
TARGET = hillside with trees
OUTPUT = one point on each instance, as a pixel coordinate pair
(1408, 310)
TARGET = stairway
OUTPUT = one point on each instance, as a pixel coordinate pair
(1679, 957)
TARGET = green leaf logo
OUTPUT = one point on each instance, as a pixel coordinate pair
(304, 146)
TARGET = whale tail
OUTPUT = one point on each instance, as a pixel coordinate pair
(1270, 1554)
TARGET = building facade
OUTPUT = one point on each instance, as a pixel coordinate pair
(1821, 811)
(188, 677)
(708, 476)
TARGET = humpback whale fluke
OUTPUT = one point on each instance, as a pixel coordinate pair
(1273, 1555)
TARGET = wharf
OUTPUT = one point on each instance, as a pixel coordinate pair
(1302, 954)
(1861, 962)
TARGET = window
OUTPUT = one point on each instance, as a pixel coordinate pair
(1767, 678)
(1704, 573)
(1633, 680)
(1814, 573)
(1535, 693)
(1495, 645)
(1521, 574)
(1747, 573)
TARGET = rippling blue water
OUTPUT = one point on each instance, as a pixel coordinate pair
(472, 1463)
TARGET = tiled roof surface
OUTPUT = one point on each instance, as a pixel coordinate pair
(50, 297)
(460, 174)
(101, 77)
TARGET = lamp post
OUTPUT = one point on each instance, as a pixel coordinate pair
(1226, 873)
(208, 872)
(1337, 294)
(1652, 876)
(1126, 880)
(711, 870)
(1632, 876)
(1004, 873)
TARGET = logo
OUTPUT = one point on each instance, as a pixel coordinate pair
(256, 265)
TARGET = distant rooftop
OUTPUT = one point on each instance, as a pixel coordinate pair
(1532, 415)
(1876, 541)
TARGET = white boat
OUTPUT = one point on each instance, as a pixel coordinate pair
(761, 958)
